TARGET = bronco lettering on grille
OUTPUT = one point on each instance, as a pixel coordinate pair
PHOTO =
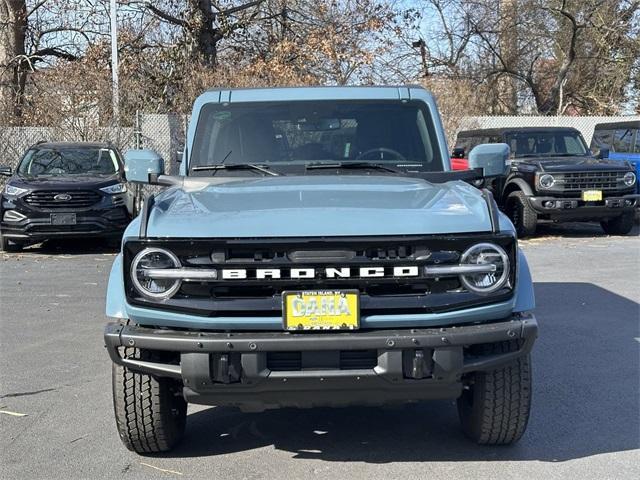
(310, 273)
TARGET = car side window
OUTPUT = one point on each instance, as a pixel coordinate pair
(602, 139)
(622, 140)
(572, 145)
(464, 144)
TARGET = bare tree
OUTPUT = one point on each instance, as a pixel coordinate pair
(13, 18)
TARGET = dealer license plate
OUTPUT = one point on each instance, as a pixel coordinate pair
(321, 310)
(591, 195)
(63, 219)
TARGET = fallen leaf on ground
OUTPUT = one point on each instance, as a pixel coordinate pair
(160, 469)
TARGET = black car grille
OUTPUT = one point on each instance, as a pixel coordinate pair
(62, 200)
(337, 360)
(388, 295)
(579, 181)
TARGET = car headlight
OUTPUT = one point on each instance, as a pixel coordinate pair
(14, 191)
(485, 254)
(629, 179)
(546, 180)
(116, 188)
(153, 286)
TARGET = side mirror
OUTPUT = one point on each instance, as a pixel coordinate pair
(603, 153)
(492, 158)
(139, 164)
(5, 171)
(458, 152)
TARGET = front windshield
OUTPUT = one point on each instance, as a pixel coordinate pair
(545, 144)
(292, 135)
(68, 161)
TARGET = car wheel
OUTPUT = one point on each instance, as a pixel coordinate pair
(494, 408)
(7, 246)
(524, 218)
(150, 412)
(620, 225)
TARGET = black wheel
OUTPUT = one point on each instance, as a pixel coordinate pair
(524, 217)
(494, 410)
(620, 225)
(150, 412)
(7, 246)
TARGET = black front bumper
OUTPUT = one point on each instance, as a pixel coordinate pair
(37, 226)
(574, 208)
(234, 368)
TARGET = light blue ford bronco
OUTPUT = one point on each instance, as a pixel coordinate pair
(317, 250)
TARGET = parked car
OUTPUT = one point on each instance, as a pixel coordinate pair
(553, 176)
(618, 141)
(458, 160)
(316, 250)
(63, 190)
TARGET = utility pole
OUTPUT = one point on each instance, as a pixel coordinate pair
(115, 93)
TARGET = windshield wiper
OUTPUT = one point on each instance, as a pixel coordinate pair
(352, 165)
(235, 166)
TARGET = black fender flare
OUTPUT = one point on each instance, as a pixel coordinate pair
(521, 185)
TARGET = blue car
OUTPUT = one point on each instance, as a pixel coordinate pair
(316, 249)
(619, 141)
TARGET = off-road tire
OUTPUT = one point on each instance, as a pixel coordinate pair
(620, 225)
(150, 412)
(494, 410)
(524, 218)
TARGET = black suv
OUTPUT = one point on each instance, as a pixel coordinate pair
(553, 176)
(64, 190)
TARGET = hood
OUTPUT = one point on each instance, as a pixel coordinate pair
(63, 182)
(304, 206)
(571, 164)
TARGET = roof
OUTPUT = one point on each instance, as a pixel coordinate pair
(500, 131)
(319, 93)
(312, 87)
(612, 125)
(62, 145)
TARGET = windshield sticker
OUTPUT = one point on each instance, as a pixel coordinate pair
(222, 115)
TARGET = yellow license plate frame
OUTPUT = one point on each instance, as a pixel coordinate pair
(592, 195)
(321, 310)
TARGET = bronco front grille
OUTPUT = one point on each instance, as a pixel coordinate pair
(379, 295)
(56, 199)
(579, 181)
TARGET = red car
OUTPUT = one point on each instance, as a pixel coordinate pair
(458, 162)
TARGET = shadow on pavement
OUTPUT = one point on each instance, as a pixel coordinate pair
(586, 394)
(76, 246)
(575, 230)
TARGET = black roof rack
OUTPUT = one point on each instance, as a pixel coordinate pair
(499, 131)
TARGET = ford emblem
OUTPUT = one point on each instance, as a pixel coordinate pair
(62, 197)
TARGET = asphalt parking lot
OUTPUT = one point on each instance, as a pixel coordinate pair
(586, 410)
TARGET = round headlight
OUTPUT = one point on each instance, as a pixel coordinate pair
(490, 255)
(629, 178)
(155, 288)
(546, 181)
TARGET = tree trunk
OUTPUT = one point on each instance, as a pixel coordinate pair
(205, 37)
(508, 44)
(13, 25)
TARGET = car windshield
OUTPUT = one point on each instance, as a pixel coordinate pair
(290, 136)
(544, 144)
(68, 161)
